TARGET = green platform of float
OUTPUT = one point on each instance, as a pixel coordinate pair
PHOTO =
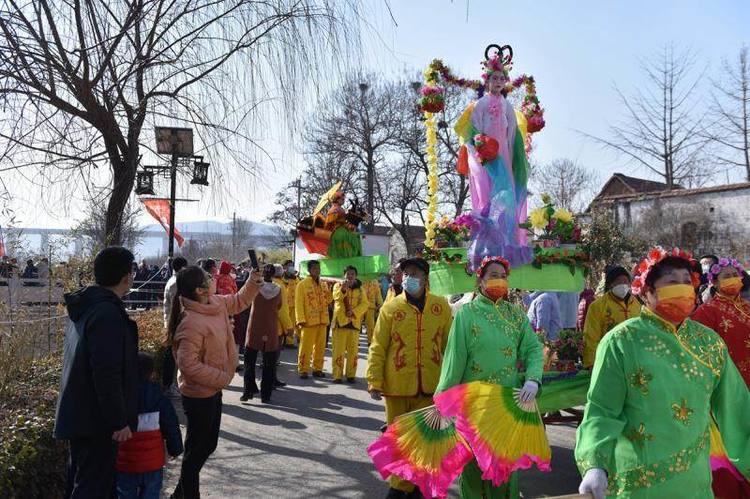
(452, 279)
(368, 267)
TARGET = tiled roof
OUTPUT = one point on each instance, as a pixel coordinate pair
(674, 193)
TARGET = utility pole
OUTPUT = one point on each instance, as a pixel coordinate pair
(172, 195)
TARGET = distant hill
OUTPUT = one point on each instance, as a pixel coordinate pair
(214, 227)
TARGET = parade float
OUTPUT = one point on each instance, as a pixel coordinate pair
(334, 239)
(543, 246)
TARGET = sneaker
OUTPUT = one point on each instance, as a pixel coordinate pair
(303, 376)
(351, 381)
(337, 381)
(319, 374)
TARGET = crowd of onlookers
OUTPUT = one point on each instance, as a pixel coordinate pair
(10, 268)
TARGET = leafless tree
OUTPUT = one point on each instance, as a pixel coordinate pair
(661, 130)
(569, 184)
(81, 81)
(357, 126)
(731, 113)
(93, 227)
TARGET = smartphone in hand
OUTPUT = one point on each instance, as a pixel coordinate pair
(253, 259)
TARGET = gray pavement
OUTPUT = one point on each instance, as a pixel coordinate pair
(311, 442)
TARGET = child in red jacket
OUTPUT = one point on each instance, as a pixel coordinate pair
(140, 460)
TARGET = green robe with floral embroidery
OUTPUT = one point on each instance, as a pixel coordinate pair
(485, 343)
(647, 417)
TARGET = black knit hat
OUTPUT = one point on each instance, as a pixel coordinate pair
(613, 273)
(420, 263)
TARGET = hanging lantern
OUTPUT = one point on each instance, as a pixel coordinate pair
(200, 172)
(144, 183)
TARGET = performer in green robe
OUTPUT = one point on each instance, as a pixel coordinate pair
(655, 380)
(488, 337)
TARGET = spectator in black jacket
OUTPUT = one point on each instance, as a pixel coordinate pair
(98, 402)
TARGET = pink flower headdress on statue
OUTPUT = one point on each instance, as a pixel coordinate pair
(500, 61)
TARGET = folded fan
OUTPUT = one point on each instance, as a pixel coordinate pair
(424, 448)
(504, 433)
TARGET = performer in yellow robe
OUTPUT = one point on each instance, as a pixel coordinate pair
(350, 307)
(407, 349)
(375, 299)
(311, 301)
(288, 281)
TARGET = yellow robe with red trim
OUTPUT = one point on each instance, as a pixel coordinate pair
(407, 348)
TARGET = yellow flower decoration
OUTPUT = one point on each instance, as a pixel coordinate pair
(563, 215)
(538, 218)
(432, 179)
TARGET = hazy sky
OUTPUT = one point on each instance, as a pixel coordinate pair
(576, 50)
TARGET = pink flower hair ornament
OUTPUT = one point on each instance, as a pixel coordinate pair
(713, 273)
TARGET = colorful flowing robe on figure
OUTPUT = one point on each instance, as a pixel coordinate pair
(485, 344)
(498, 186)
(647, 421)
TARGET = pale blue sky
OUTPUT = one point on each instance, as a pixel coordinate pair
(577, 51)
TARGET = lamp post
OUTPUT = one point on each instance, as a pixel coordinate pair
(177, 142)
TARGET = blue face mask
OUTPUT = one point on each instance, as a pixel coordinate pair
(411, 285)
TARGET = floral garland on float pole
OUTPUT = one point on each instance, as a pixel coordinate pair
(430, 103)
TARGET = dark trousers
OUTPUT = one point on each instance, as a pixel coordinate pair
(268, 376)
(203, 423)
(168, 368)
(91, 469)
(140, 485)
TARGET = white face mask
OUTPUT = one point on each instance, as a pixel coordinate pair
(621, 290)
(706, 268)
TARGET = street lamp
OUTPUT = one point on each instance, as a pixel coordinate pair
(144, 183)
(200, 172)
(177, 142)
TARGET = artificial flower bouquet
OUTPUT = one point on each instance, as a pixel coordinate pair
(453, 233)
(432, 99)
(551, 225)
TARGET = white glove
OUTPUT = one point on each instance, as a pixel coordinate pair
(594, 482)
(528, 392)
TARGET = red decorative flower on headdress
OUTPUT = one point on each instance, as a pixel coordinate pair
(656, 255)
(493, 259)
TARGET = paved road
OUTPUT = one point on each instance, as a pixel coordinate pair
(311, 441)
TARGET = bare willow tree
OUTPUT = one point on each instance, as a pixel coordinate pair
(569, 184)
(731, 113)
(81, 81)
(661, 130)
